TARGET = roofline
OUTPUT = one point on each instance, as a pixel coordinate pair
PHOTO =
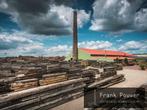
(108, 50)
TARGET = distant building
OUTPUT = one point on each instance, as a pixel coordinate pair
(105, 55)
(141, 55)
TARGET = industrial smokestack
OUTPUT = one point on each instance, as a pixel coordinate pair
(75, 37)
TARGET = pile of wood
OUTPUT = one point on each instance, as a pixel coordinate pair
(4, 87)
(108, 81)
(27, 77)
(108, 72)
(43, 97)
(89, 74)
(74, 73)
(44, 87)
(118, 66)
(5, 84)
(56, 68)
(53, 78)
(24, 84)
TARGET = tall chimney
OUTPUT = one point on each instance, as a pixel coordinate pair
(75, 37)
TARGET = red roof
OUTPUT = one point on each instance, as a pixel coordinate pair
(106, 52)
(113, 58)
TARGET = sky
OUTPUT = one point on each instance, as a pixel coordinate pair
(44, 27)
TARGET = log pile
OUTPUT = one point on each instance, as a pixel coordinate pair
(90, 74)
(32, 76)
(24, 84)
(5, 84)
(108, 72)
(53, 78)
(74, 73)
(108, 81)
(40, 87)
(43, 97)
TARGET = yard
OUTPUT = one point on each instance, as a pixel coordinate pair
(134, 78)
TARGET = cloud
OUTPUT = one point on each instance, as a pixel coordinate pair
(18, 43)
(48, 17)
(67, 49)
(95, 44)
(59, 50)
(10, 41)
(134, 46)
(119, 15)
(22, 44)
(3, 4)
(27, 44)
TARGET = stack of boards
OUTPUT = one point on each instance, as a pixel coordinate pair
(109, 81)
(53, 78)
(43, 97)
(31, 83)
(26, 82)
(51, 95)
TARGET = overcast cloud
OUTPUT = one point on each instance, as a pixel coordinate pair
(119, 15)
(48, 17)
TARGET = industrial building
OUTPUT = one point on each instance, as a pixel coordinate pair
(102, 55)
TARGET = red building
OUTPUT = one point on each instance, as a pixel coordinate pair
(96, 54)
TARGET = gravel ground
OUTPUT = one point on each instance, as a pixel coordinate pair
(134, 78)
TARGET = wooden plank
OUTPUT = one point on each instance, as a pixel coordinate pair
(51, 81)
(54, 75)
(27, 80)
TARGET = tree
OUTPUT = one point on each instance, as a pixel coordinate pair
(126, 61)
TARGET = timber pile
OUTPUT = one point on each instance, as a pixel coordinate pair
(53, 78)
(5, 84)
(55, 68)
(4, 87)
(90, 74)
(108, 72)
(27, 77)
(27, 73)
(6, 73)
(43, 97)
(108, 81)
(40, 87)
(24, 84)
(74, 73)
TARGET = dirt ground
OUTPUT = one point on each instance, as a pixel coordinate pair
(134, 78)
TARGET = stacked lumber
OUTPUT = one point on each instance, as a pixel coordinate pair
(6, 73)
(54, 68)
(43, 97)
(28, 73)
(4, 87)
(24, 84)
(5, 84)
(118, 66)
(53, 78)
(108, 81)
(108, 72)
(90, 74)
(74, 73)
